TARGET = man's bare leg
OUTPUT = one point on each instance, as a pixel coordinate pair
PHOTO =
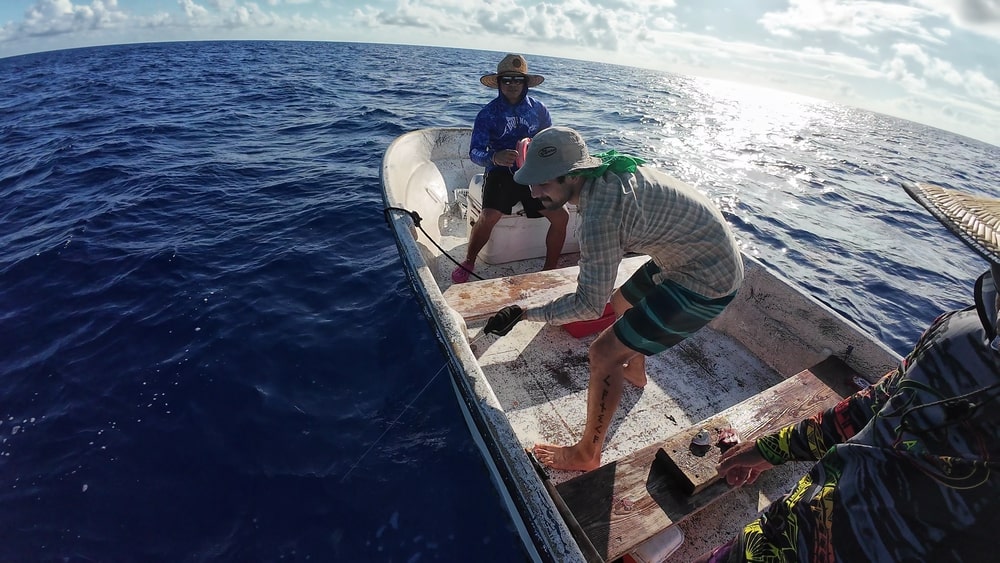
(635, 371)
(481, 232)
(555, 238)
(635, 367)
(604, 394)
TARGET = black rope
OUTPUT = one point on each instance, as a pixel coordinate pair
(957, 409)
(415, 217)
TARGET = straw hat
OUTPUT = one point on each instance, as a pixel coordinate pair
(512, 65)
(975, 220)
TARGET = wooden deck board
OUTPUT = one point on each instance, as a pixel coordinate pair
(478, 300)
(623, 503)
(694, 467)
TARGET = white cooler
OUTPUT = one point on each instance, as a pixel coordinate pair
(516, 237)
(657, 548)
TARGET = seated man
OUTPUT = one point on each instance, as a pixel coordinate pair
(511, 116)
(908, 469)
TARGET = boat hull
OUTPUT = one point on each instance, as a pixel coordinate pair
(531, 384)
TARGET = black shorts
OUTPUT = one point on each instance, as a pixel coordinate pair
(501, 192)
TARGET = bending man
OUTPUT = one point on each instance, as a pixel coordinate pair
(694, 270)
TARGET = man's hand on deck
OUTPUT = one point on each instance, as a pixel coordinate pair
(742, 464)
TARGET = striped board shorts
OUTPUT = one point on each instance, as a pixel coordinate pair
(662, 314)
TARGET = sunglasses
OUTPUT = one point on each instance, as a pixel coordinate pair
(508, 80)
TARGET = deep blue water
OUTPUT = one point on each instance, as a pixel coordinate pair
(209, 349)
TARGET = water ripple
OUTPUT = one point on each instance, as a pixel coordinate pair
(205, 324)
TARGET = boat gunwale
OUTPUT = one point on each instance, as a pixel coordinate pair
(521, 487)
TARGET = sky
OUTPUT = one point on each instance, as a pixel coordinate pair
(929, 61)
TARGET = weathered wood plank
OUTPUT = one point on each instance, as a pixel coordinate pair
(692, 467)
(477, 300)
(623, 503)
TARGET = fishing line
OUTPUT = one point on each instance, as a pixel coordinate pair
(416, 222)
(400, 415)
(415, 217)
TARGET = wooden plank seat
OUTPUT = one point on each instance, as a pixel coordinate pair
(478, 300)
(623, 503)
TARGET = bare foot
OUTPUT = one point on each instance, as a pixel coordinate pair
(635, 373)
(570, 458)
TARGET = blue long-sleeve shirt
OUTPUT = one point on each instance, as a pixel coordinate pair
(500, 125)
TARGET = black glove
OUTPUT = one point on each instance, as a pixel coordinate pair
(505, 319)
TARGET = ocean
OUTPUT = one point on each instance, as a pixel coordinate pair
(209, 350)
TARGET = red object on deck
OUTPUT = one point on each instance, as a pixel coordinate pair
(579, 329)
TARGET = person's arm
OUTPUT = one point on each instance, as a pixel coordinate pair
(742, 464)
(600, 254)
(809, 439)
(588, 301)
(479, 148)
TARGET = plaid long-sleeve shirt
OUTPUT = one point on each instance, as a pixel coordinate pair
(647, 212)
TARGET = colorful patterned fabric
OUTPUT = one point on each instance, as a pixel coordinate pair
(908, 469)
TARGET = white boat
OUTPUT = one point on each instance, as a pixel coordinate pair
(530, 385)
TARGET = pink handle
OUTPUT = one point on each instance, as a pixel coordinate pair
(522, 151)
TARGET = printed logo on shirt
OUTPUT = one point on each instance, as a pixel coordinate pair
(511, 124)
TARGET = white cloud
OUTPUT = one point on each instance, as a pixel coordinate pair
(193, 11)
(856, 19)
(608, 26)
(860, 52)
(897, 70)
(229, 14)
(937, 73)
(52, 17)
(978, 16)
(980, 86)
